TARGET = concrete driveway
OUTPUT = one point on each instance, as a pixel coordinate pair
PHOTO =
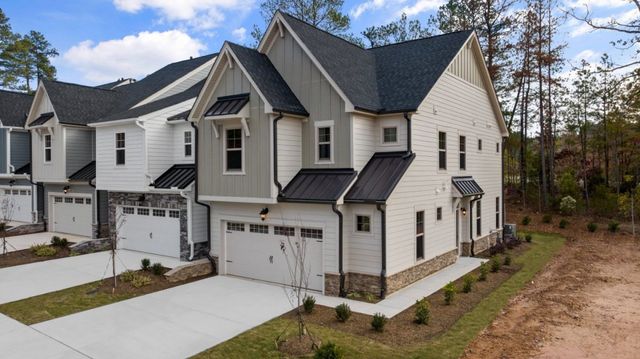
(28, 280)
(17, 243)
(174, 323)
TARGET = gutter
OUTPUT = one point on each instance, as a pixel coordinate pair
(409, 147)
(189, 224)
(383, 240)
(334, 207)
(207, 206)
(275, 154)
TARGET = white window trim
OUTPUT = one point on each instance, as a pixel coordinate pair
(383, 143)
(318, 125)
(355, 224)
(115, 144)
(225, 172)
(190, 143)
(45, 148)
(415, 234)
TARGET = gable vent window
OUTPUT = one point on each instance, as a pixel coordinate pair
(420, 235)
(120, 148)
(478, 218)
(390, 135)
(442, 150)
(233, 150)
(188, 144)
(463, 152)
(324, 143)
(47, 148)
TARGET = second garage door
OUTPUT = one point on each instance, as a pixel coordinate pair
(72, 215)
(269, 252)
(151, 230)
(15, 204)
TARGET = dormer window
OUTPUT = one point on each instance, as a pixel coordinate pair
(120, 149)
(47, 148)
(233, 151)
(324, 141)
(188, 144)
(390, 135)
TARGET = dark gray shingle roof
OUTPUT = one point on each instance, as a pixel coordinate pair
(268, 80)
(26, 169)
(467, 186)
(393, 78)
(14, 107)
(379, 177)
(77, 104)
(318, 185)
(178, 176)
(86, 173)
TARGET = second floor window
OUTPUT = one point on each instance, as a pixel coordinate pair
(324, 143)
(442, 150)
(188, 144)
(478, 218)
(463, 153)
(233, 150)
(120, 148)
(47, 148)
(390, 135)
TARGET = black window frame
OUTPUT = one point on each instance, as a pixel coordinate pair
(121, 148)
(363, 223)
(463, 152)
(479, 218)
(442, 150)
(438, 213)
(479, 144)
(420, 235)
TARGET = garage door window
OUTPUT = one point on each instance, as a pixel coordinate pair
(259, 228)
(234, 226)
(311, 233)
(58, 199)
(143, 211)
(15, 191)
(127, 210)
(79, 201)
(87, 201)
(7, 191)
(23, 193)
(284, 231)
(68, 200)
(159, 213)
(174, 214)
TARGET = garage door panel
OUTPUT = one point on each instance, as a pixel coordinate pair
(151, 230)
(72, 215)
(15, 204)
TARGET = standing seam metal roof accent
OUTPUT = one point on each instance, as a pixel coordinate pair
(228, 105)
(178, 176)
(318, 185)
(467, 186)
(86, 173)
(379, 177)
(42, 119)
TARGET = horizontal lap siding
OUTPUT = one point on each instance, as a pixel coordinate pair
(460, 109)
(367, 137)
(362, 252)
(289, 149)
(178, 130)
(129, 177)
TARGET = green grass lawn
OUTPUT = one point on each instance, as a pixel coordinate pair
(260, 342)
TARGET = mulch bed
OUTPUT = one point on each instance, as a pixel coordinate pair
(158, 283)
(401, 330)
(26, 256)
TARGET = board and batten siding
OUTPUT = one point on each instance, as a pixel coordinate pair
(289, 149)
(79, 149)
(463, 109)
(318, 97)
(290, 214)
(128, 177)
(465, 66)
(182, 84)
(367, 137)
(198, 222)
(362, 251)
(19, 146)
(257, 179)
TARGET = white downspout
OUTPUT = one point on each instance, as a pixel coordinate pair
(189, 225)
(144, 146)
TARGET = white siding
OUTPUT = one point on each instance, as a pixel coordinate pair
(283, 213)
(289, 149)
(367, 137)
(178, 143)
(127, 177)
(461, 109)
(362, 251)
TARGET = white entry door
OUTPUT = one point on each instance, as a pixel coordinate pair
(269, 253)
(71, 215)
(151, 230)
(15, 204)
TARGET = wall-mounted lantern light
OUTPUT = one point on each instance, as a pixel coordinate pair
(263, 213)
(464, 211)
(66, 189)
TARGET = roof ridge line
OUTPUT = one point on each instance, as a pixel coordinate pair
(80, 85)
(325, 31)
(420, 39)
(16, 92)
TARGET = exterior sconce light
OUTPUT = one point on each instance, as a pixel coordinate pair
(464, 211)
(263, 213)
(66, 189)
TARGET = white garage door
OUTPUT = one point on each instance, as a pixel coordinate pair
(71, 214)
(15, 204)
(151, 230)
(269, 252)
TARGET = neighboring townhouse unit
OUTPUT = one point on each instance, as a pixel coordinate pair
(384, 164)
(17, 193)
(64, 145)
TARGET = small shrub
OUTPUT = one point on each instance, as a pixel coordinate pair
(127, 276)
(495, 264)
(308, 303)
(563, 223)
(484, 271)
(449, 293)
(468, 281)
(43, 250)
(369, 297)
(547, 218)
(568, 205)
(528, 238)
(353, 295)
(507, 260)
(157, 269)
(423, 312)
(526, 220)
(343, 312)
(592, 227)
(145, 263)
(614, 226)
(140, 280)
(378, 322)
(328, 351)
(59, 242)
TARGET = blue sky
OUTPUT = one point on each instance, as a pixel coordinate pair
(100, 40)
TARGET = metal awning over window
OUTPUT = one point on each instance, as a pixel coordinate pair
(466, 186)
(228, 105)
(42, 119)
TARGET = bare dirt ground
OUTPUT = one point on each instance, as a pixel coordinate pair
(584, 304)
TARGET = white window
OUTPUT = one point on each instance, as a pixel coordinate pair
(58, 199)
(68, 200)
(311, 233)
(363, 224)
(324, 141)
(23, 192)
(497, 147)
(188, 144)
(478, 218)
(47, 148)
(7, 191)
(87, 201)
(233, 150)
(419, 235)
(79, 200)
(442, 150)
(284, 231)
(497, 212)
(120, 148)
(390, 135)
(235, 226)
(259, 228)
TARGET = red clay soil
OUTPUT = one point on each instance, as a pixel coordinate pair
(584, 304)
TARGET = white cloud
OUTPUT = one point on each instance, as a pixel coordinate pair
(597, 3)
(367, 6)
(587, 55)
(240, 33)
(131, 56)
(421, 6)
(200, 14)
(580, 28)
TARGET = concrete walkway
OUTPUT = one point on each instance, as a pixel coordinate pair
(17, 243)
(28, 280)
(406, 297)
